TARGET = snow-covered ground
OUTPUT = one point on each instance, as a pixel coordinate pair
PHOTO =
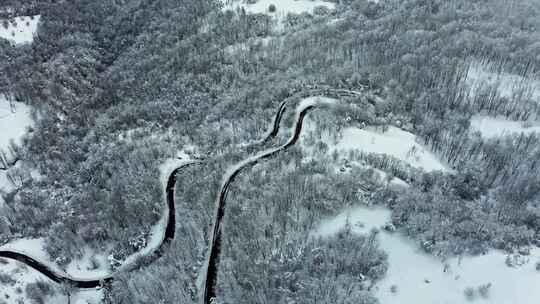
(507, 85)
(22, 31)
(490, 127)
(78, 268)
(394, 142)
(283, 7)
(14, 121)
(421, 279)
(18, 276)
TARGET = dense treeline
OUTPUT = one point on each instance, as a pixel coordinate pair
(268, 255)
(174, 276)
(490, 201)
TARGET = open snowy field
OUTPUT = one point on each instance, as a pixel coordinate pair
(15, 276)
(394, 142)
(423, 279)
(22, 30)
(283, 7)
(490, 127)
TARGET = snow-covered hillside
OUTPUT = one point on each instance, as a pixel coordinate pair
(423, 279)
(20, 30)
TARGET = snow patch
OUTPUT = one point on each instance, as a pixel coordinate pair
(34, 248)
(490, 127)
(424, 279)
(86, 268)
(283, 7)
(22, 30)
(394, 142)
(21, 276)
(14, 121)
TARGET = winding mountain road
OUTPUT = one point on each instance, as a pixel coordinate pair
(62, 277)
(208, 290)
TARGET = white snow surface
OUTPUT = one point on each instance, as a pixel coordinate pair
(283, 7)
(394, 142)
(14, 121)
(24, 275)
(421, 279)
(82, 268)
(490, 127)
(22, 31)
(78, 268)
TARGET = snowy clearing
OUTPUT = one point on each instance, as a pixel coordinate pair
(507, 85)
(22, 30)
(13, 289)
(14, 121)
(77, 268)
(490, 127)
(420, 278)
(283, 7)
(13, 292)
(394, 142)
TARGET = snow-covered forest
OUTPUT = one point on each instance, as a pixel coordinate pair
(269, 151)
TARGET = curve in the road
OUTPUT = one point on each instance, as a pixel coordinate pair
(277, 122)
(311, 91)
(59, 277)
(209, 292)
(208, 289)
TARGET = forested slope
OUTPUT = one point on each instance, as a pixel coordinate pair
(118, 86)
